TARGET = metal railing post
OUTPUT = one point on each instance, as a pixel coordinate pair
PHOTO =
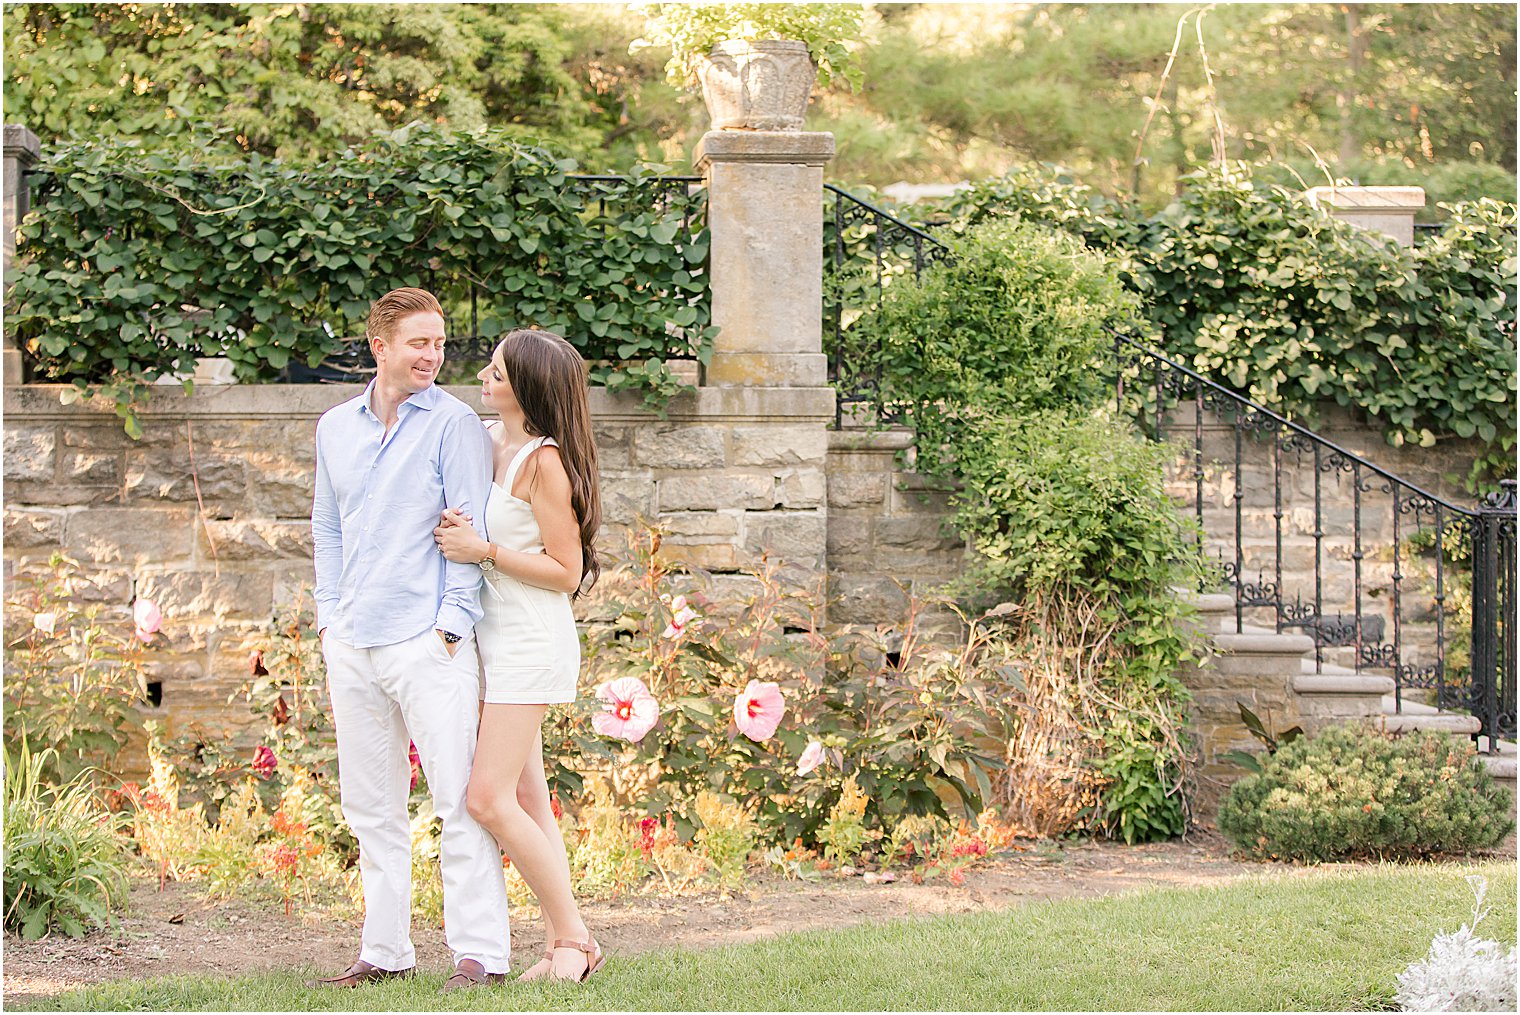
(22, 150)
(1493, 615)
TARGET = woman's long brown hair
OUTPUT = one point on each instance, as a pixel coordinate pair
(548, 377)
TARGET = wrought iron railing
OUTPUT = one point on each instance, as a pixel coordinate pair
(865, 249)
(1385, 576)
(1382, 573)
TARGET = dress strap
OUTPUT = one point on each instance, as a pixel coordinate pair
(522, 456)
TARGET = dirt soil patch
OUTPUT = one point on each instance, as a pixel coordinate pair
(178, 931)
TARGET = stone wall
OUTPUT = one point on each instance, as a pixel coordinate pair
(888, 528)
(209, 513)
(731, 473)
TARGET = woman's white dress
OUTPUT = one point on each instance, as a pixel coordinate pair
(530, 652)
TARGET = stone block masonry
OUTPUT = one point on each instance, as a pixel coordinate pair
(888, 529)
(731, 473)
(209, 513)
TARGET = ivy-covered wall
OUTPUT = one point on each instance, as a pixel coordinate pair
(133, 264)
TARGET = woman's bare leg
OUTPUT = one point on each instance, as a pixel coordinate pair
(533, 797)
(509, 736)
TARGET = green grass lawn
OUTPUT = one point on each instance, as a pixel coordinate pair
(1328, 939)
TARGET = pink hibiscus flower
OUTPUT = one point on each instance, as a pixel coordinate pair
(758, 710)
(146, 616)
(631, 710)
(681, 615)
(812, 757)
(414, 760)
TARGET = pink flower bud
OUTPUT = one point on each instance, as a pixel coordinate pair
(146, 616)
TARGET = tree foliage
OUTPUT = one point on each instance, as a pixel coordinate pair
(1381, 92)
(963, 91)
(301, 80)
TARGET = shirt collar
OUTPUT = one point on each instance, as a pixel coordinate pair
(427, 398)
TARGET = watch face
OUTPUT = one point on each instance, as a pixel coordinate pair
(487, 564)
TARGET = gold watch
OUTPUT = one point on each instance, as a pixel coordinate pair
(488, 562)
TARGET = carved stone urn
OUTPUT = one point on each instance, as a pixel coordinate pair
(759, 85)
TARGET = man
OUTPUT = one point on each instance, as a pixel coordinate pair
(397, 625)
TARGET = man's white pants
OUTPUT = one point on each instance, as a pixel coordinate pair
(381, 697)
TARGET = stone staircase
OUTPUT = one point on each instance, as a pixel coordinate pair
(1274, 675)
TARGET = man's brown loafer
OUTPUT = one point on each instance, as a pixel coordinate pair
(470, 973)
(361, 972)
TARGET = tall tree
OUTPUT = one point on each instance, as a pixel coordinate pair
(1375, 92)
(293, 79)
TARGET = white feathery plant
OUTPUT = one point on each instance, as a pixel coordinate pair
(1461, 972)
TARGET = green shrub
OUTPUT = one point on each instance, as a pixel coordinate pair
(1013, 324)
(65, 868)
(726, 837)
(73, 672)
(1353, 791)
(995, 357)
(845, 834)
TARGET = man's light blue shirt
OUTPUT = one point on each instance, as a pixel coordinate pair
(380, 577)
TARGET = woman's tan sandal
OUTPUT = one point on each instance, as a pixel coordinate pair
(594, 956)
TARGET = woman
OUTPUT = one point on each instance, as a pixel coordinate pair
(541, 520)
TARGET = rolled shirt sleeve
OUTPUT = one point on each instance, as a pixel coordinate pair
(465, 464)
(326, 541)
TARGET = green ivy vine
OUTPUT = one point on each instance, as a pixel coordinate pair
(134, 263)
(1292, 307)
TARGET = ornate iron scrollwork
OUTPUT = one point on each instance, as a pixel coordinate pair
(1336, 461)
(1257, 593)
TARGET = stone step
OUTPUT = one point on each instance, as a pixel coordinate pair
(1501, 766)
(1261, 653)
(1336, 692)
(1215, 603)
(1435, 722)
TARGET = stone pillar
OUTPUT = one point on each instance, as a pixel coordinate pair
(765, 213)
(1386, 210)
(22, 149)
